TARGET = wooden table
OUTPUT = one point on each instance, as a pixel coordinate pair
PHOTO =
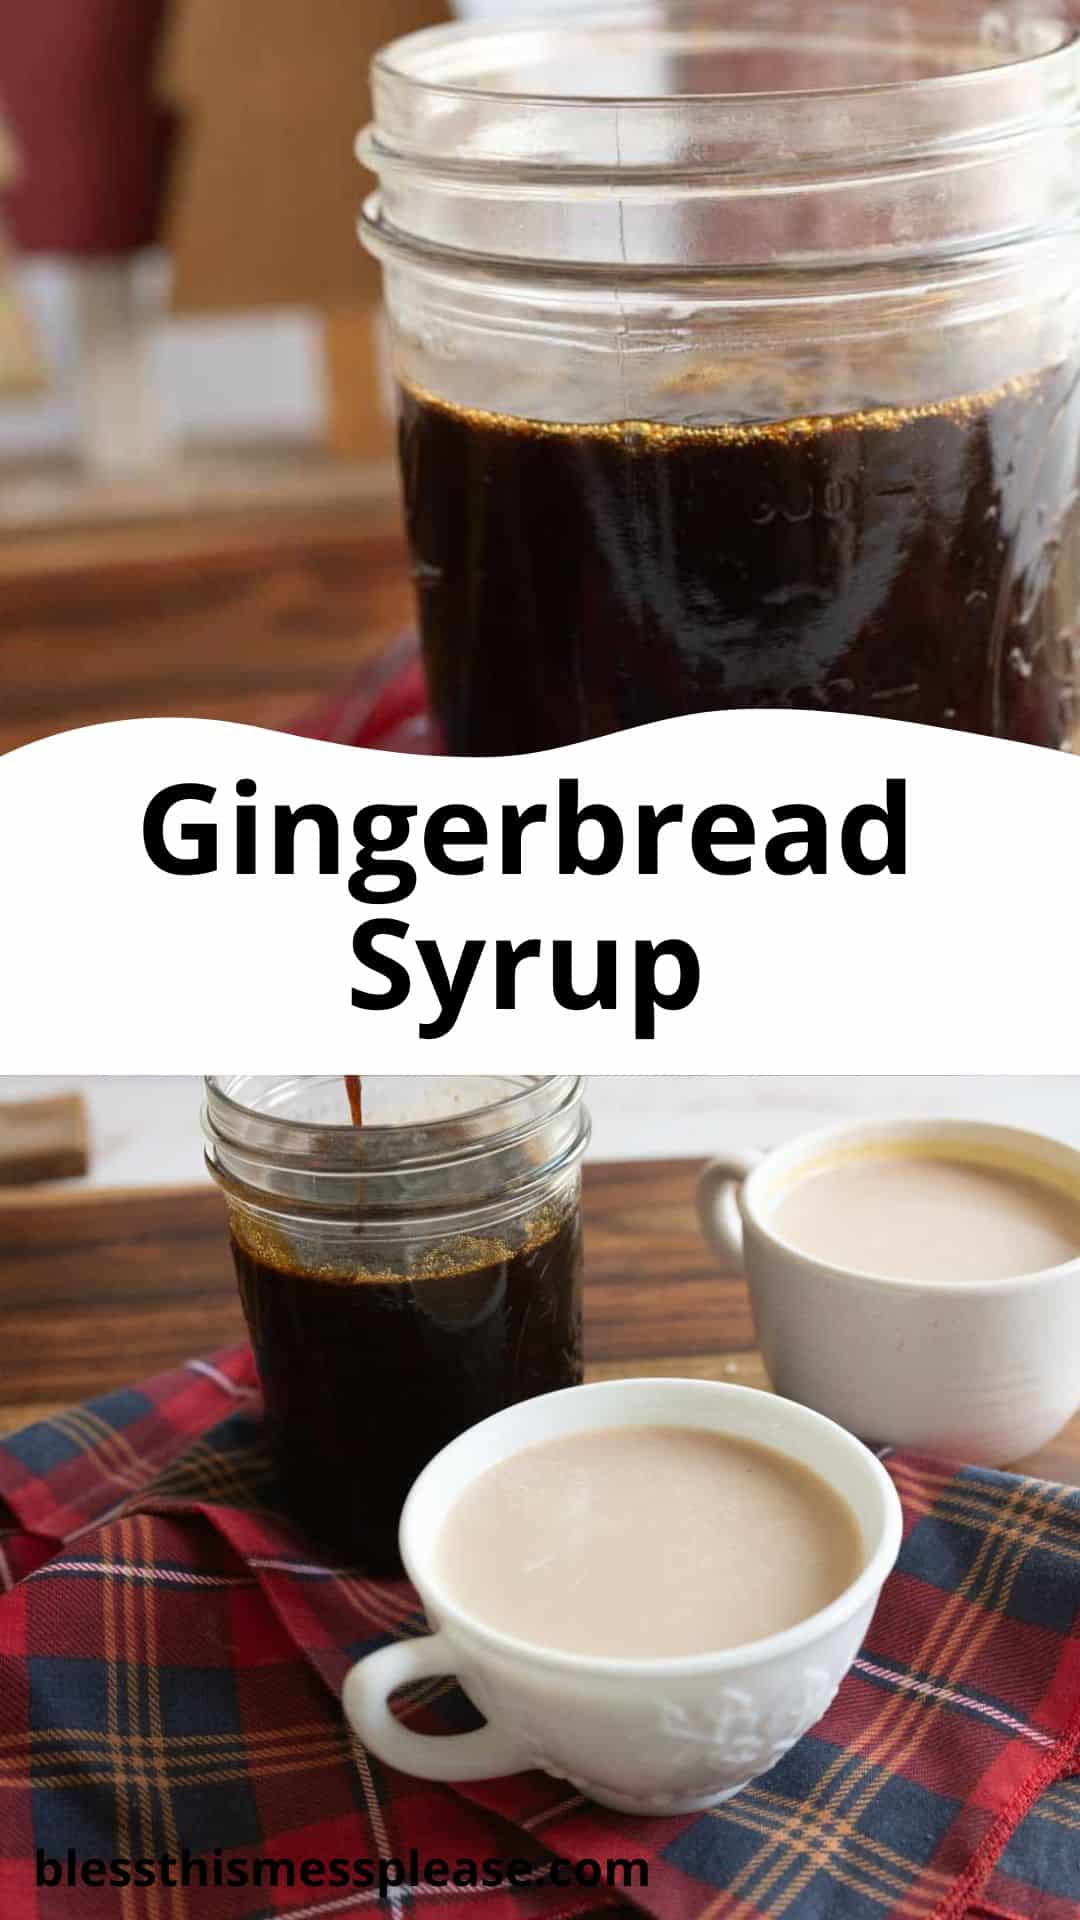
(251, 618)
(100, 1290)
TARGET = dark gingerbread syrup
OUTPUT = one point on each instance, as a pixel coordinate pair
(921, 564)
(367, 1375)
(354, 1094)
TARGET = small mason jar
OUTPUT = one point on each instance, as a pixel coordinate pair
(739, 364)
(400, 1280)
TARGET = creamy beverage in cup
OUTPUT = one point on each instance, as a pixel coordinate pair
(664, 1690)
(926, 1216)
(918, 1281)
(720, 1541)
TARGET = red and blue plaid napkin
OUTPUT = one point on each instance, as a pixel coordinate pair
(171, 1653)
(384, 705)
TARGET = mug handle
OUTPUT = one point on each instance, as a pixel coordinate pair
(482, 1755)
(718, 1205)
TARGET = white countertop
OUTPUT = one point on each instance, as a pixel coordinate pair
(145, 1131)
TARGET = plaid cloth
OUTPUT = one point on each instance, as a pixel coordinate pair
(171, 1655)
(384, 705)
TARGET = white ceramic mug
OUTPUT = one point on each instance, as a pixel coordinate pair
(643, 1736)
(984, 1371)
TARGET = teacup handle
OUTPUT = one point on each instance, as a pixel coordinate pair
(482, 1755)
(718, 1203)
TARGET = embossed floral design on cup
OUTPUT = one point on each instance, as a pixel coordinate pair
(656, 1736)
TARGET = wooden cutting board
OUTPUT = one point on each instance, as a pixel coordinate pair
(99, 1290)
(248, 619)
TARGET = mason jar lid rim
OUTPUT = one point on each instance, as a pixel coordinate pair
(385, 65)
(596, 177)
(515, 1195)
(469, 1153)
(975, 259)
(259, 1144)
(903, 170)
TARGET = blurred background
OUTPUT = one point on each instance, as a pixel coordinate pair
(180, 270)
(195, 415)
(115, 1132)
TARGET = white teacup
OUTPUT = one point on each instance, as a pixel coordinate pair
(980, 1370)
(642, 1736)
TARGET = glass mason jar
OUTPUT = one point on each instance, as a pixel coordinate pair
(744, 375)
(400, 1280)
